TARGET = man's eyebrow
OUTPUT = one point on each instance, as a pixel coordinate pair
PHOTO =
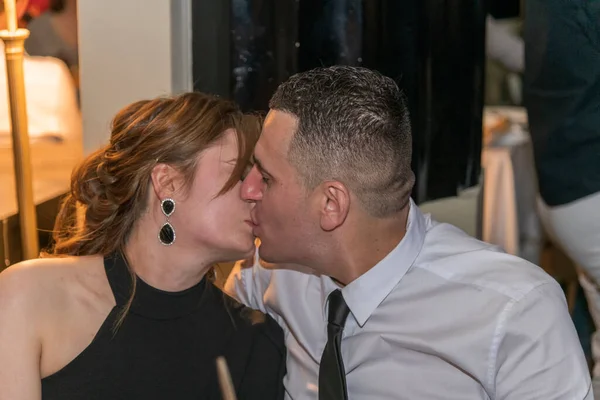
(260, 166)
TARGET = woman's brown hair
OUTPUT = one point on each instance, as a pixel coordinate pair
(109, 189)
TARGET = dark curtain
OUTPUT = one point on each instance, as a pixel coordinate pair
(434, 49)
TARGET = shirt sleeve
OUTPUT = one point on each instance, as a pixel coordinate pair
(539, 354)
(248, 283)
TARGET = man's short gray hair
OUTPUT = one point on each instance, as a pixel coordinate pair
(353, 127)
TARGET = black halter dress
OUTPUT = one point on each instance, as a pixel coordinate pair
(167, 346)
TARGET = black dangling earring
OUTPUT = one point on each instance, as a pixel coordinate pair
(166, 235)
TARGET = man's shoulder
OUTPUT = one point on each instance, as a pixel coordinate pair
(461, 259)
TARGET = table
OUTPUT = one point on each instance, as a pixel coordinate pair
(509, 216)
(52, 164)
(502, 210)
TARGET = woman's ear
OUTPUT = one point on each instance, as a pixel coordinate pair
(164, 178)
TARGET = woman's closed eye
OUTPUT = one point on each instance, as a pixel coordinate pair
(246, 171)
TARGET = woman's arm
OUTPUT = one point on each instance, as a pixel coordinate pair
(20, 347)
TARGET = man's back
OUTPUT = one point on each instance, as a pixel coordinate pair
(562, 95)
(443, 316)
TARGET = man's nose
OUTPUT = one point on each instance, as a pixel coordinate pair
(252, 186)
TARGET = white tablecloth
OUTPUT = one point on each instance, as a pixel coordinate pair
(502, 210)
(508, 216)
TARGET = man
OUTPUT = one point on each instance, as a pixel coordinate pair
(562, 96)
(377, 300)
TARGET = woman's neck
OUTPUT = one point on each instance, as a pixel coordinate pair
(168, 268)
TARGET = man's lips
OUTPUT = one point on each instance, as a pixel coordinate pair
(253, 219)
(253, 222)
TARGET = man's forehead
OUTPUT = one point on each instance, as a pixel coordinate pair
(277, 133)
(281, 119)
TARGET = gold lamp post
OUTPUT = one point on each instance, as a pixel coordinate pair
(14, 41)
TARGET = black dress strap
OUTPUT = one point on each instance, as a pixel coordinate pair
(119, 277)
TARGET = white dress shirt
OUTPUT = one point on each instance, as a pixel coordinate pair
(51, 97)
(443, 316)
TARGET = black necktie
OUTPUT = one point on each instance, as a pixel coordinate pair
(332, 376)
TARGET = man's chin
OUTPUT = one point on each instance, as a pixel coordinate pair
(265, 252)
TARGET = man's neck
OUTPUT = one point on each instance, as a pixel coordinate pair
(364, 247)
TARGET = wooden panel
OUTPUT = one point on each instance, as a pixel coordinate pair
(52, 165)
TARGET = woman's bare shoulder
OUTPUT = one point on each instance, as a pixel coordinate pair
(44, 279)
(37, 297)
(51, 268)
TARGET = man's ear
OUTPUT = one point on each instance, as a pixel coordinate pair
(165, 180)
(334, 204)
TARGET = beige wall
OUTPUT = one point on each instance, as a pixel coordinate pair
(130, 50)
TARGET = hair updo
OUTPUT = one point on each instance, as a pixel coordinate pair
(109, 189)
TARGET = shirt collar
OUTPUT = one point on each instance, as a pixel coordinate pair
(364, 294)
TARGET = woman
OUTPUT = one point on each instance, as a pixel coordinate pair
(125, 308)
